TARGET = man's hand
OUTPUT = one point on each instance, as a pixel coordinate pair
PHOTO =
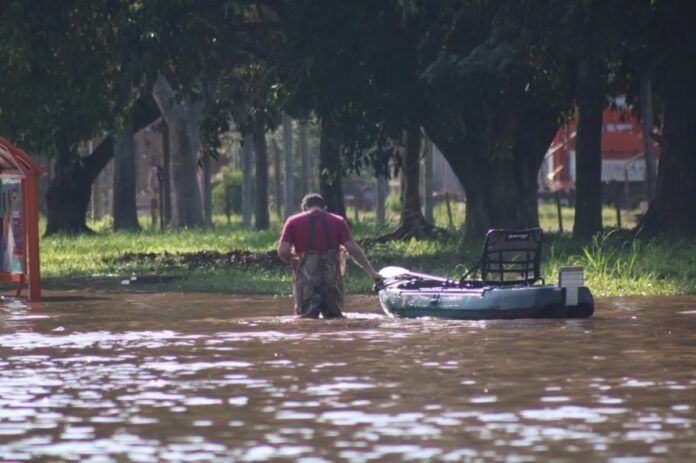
(294, 261)
(376, 277)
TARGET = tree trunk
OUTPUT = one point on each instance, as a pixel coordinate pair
(183, 120)
(277, 177)
(588, 150)
(247, 178)
(96, 199)
(499, 174)
(290, 207)
(412, 223)
(262, 221)
(96, 202)
(330, 184)
(672, 211)
(166, 177)
(124, 190)
(382, 190)
(68, 192)
(304, 156)
(206, 188)
(646, 109)
(411, 213)
(428, 180)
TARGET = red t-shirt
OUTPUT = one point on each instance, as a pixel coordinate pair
(296, 231)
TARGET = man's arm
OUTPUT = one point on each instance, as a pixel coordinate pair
(360, 258)
(284, 251)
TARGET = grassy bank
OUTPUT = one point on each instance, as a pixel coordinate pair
(200, 260)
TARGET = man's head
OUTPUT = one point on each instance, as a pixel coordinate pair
(311, 200)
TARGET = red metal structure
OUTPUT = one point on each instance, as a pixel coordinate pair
(19, 204)
(622, 150)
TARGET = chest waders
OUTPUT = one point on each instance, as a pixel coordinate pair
(317, 280)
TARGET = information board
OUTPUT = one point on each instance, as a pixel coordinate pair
(11, 233)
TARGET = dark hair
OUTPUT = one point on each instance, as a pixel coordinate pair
(313, 200)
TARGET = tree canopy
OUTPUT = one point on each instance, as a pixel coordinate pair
(489, 81)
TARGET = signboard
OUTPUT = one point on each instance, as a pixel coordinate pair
(616, 170)
(11, 232)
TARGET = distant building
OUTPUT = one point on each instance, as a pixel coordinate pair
(623, 152)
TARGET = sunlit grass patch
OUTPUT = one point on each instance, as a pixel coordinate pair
(613, 265)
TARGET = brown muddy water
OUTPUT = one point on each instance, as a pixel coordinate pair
(145, 378)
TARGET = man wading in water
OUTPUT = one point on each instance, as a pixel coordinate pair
(317, 270)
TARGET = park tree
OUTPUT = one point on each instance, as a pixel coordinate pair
(65, 82)
(496, 91)
(330, 168)
(244, 96)
(480, 77)
(352, 66)
(181, 48)
(76, 70)
(603, 30)
(591, 99)
(246, 103)
(125, 212)
(261, 217)
(183, 117)
(671, 212)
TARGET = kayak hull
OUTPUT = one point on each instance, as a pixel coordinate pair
(487, 303)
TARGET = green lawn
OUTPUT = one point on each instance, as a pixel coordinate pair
(612, 267)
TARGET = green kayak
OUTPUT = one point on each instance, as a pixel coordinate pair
(417, 297)
(509, 286)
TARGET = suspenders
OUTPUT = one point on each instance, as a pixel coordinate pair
(324, 226)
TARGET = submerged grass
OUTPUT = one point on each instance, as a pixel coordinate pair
(614, 266)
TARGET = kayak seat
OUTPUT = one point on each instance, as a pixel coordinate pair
(510, 257)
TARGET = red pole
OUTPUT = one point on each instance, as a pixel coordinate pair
(32, 237)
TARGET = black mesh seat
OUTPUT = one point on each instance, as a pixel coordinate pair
(510, 257)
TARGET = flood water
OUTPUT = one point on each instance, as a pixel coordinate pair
(141, 377)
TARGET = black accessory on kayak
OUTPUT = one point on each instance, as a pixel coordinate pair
(510, 257)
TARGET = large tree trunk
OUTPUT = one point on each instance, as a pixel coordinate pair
(68, 192)
(330, 183)
(672, 211)
(247, 178)
(166, 177)
(207, 189)
(261, 220)
(588, 162)
(124, 190)
(183, 120)
(498, 173)
(647, 124)
(412, 223)
(588, 148)
(411, 213)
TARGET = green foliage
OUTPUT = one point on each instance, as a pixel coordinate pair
(616, 267)
(393, 203)
(227, 194)
(613, 265)
(63, 81)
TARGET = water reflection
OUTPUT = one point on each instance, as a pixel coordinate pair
(217, 378)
